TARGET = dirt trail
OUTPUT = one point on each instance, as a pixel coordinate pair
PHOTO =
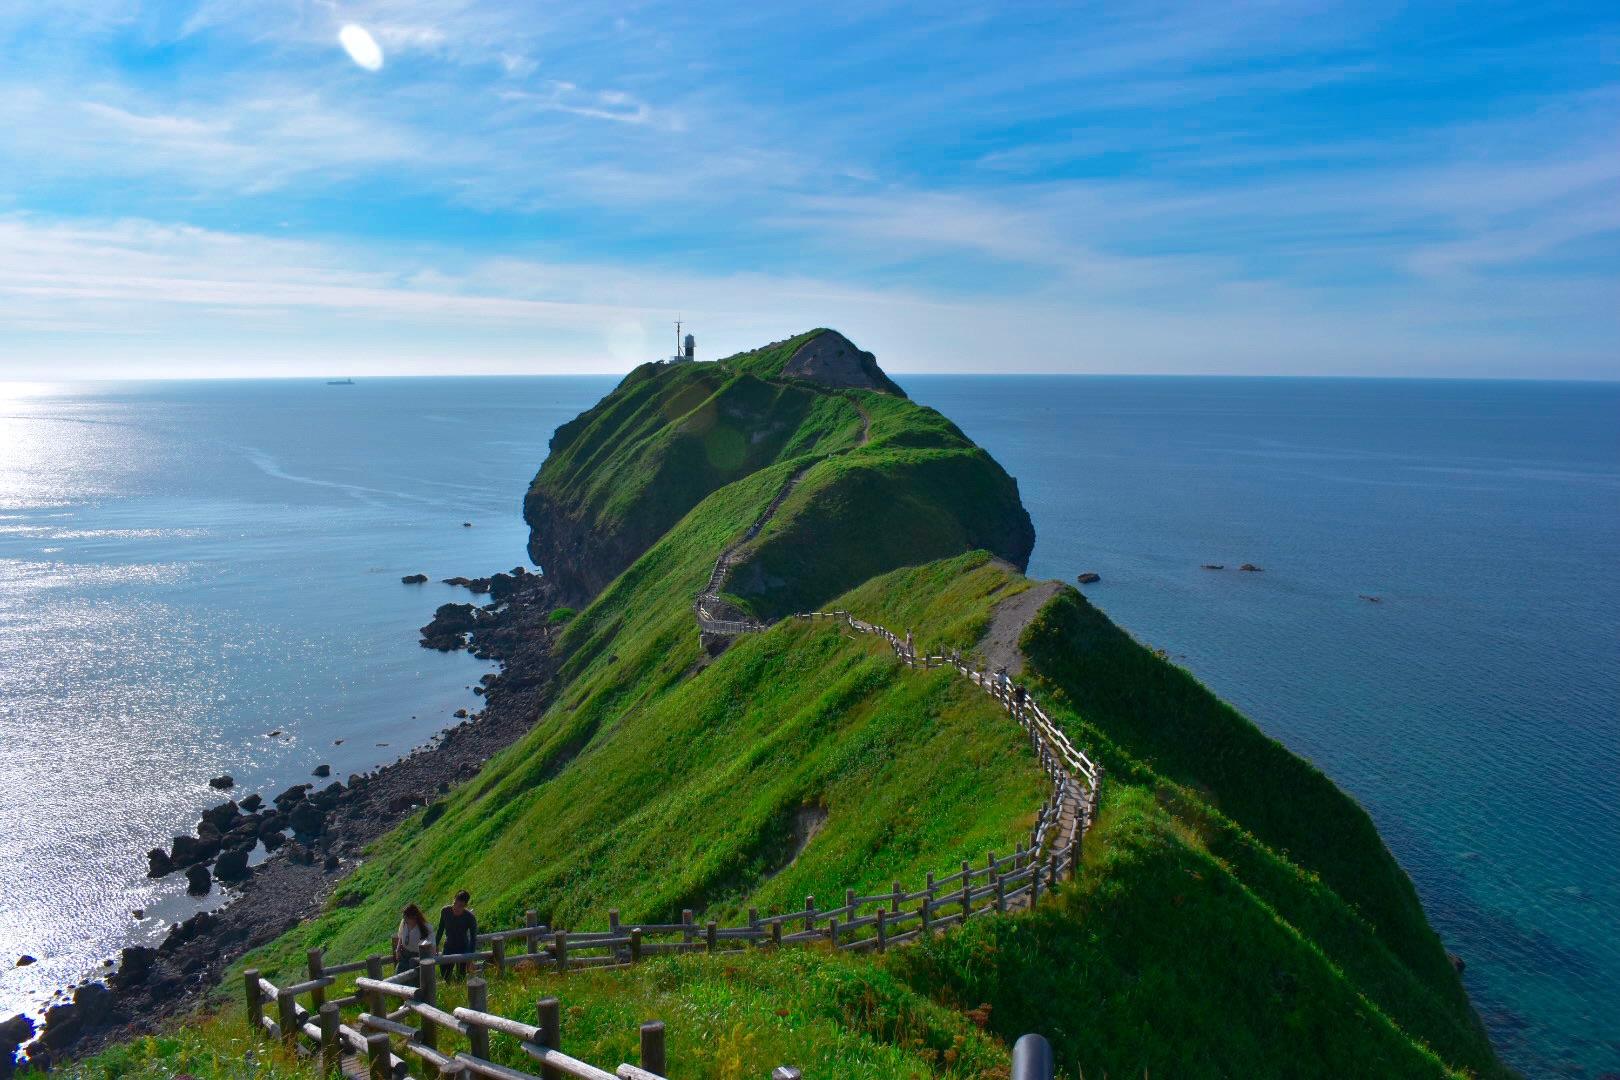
(1000, 644)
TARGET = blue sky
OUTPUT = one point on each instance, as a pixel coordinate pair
(222, 187)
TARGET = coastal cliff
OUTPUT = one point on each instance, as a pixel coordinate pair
(1234, 913)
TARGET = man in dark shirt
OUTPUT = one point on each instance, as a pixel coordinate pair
(457, 933)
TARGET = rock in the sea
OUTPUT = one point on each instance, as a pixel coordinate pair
(272, 840)
(466, 524)
(189, 850)
(232, 865)
(1089, 577)
(158, 863)
(448, 630)
(323, 771)
(252, 803)
(223, 816)
(1214, 566)
(13, 1033)
(1372, 599)
(1250, 567)
(24, 960)
(294, 794)
(223, 783)
(1456, 962)
(198, 880)
(461, 714)
(414, 579)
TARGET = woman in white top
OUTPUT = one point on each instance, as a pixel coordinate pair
(413, 932)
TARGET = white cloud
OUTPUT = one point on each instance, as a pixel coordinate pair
(361, 47)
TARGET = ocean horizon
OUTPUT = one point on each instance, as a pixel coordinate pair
(202, 577)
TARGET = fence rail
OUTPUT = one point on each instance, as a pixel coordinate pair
(404, 1006)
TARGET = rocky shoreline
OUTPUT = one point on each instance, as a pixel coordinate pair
(314, 835)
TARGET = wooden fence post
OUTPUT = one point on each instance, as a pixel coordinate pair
(1074, 856)
(331, 1059)
(560, 945)
(849, 902)
(753, 925)
(882, 930)
(810, 913)
(478, 999)
(287, 1017)
(635, 944)
(709, 934)
(652, 1047)
(688, 934)
(255, 999)
(967, 890)
(894, 902)
(1001, 890)
(498, 948)
(1035, 886)
(776, 934)
(377, 1054)
(427, 992)
(377, 1005)
(549, 1015)
(925, 910)
(531, 922)
(317, 996)
(832, 931)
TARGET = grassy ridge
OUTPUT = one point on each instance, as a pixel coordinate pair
(1236, 913)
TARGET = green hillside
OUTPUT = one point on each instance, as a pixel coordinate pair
(1236, 914)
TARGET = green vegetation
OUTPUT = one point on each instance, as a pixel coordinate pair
(1235, 915)
(561, 615)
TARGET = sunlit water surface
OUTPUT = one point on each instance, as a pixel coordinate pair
(187, 567)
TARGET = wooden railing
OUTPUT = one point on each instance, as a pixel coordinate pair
(405, 1005)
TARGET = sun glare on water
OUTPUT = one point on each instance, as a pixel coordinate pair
(361, 47)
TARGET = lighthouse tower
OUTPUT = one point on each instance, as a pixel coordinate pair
(685, 348)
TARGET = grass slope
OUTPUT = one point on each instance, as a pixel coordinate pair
(1236, 914)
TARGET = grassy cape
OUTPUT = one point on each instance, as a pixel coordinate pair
(1236, 914)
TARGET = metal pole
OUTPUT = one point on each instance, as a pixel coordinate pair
(1032, 1058)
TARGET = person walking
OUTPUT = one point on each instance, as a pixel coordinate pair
(458, 932)
(413, 933)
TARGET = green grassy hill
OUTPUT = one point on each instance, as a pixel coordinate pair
(1236, 914)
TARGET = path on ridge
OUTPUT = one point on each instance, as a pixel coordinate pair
(710, 609)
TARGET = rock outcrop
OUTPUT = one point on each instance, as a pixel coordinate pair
(831, 359)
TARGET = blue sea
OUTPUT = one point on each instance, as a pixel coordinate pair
(203, 578)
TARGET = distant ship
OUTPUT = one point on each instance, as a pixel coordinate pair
(339, 382)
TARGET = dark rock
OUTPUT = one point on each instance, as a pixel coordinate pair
(332, 863)
(434, 813)
(350, 899)
(448, 630)
(1089, 578)
(272, 734)
(466, 524)
(328, 796)
(223, 783)
(294, 794)
(323, 771)
(190, 850)
(24, 960)
(272, 823)
(94, 1002)
(1250, 567)
(307, 819)
(1457, 962)
(414, 579)
(252, 803)
(232, 865)
(272, 840)
(401, 804)
(135, 964)
(1372, 599)
(1214, 566)
(198, 880)
(13, 1033)
(200, 923)
(158, 863)
(222, 816)
(458, 582)
(461, 714)
(209, 833)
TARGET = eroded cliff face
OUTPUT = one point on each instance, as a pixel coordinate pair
(573, 554)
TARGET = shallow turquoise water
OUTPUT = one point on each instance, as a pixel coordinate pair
(185, 567)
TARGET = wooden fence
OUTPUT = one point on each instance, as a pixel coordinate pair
(405, 1006)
